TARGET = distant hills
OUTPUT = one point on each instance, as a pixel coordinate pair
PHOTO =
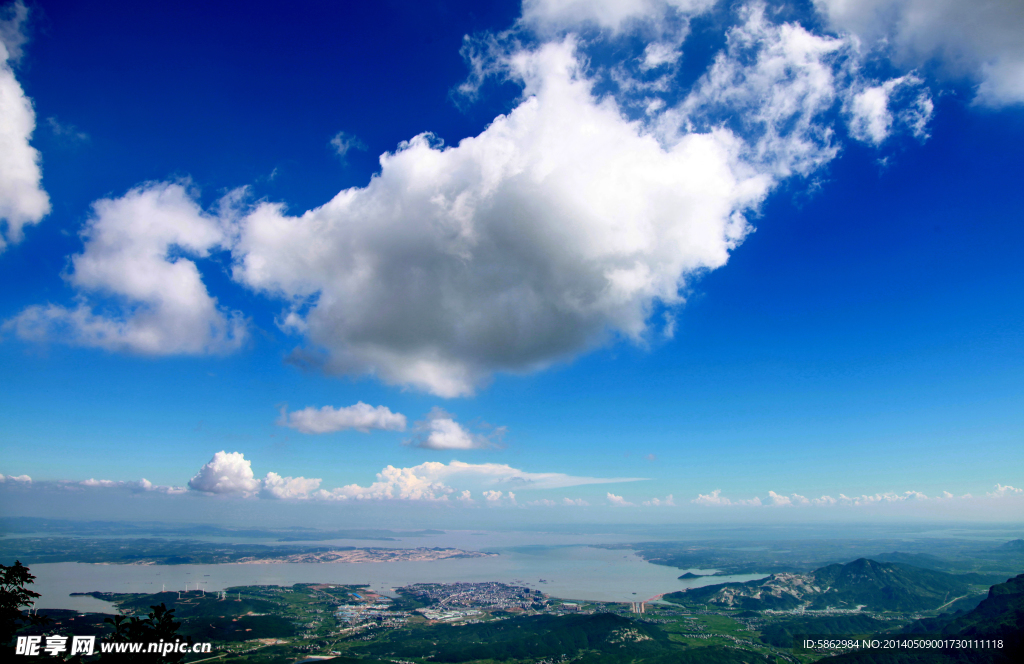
(999, 616)
(923, 560)
(872, 585)
(65, 527)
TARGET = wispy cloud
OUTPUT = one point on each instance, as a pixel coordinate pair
(1005, 490)
(343, 143)
(142, 485)
(618, 501)
(67, 133)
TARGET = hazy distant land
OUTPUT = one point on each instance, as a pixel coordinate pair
(159, 551)
(419, 554)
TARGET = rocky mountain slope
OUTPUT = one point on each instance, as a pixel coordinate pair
(862, 583)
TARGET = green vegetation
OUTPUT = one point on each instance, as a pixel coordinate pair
(157, 626)
(14, 597)
(886, 586)
(601, 638)
(781, 632)
(751, 622)
(862, 583)
(1000, 617)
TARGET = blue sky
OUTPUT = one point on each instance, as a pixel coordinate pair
(761, 258)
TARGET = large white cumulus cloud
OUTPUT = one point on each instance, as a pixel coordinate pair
(138, 252)
(980, 39)
(560, 224)
(22, 198)
(566, 223)
(227, 472)
(231, 473)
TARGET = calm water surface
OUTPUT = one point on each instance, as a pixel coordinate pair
(569, 572)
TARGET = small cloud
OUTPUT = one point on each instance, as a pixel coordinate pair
(871, 119)
(146, 485)
(543, 502)
(650, 457)
(495, 497)
(667, 501)
(1005, 491)
(575, 502)
(660, 53)
(619, 501)
(343, 143)
(466, 497)
(93, 483)
(713, 498)
(361, 417)
(440, 431)
(66, 133)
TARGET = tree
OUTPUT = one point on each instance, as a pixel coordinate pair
(158, 627)
(14, 597)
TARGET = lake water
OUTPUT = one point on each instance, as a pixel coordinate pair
(569, 572)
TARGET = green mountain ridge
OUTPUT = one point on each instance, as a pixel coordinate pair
(601, 638)
(999, 617)
(864, 583)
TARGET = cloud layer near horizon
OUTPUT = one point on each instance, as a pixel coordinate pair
(231, 473)
(500, 485)
(716, 499)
